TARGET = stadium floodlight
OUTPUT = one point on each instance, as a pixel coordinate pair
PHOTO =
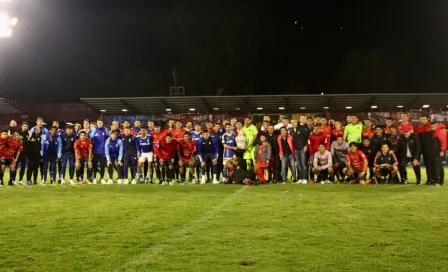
(259, 108)
(124, 110)
(374, 107)
(425, 106)
(168, 109)
(303, 108)
(348, 107)
(14, 21)
(326, 108)
(281, 108)
(215, 108)
(399, 106)
(192, 109)
(102, 110)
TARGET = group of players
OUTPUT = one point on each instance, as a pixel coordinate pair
(227, 152)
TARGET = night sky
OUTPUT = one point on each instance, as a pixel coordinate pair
(64, 50)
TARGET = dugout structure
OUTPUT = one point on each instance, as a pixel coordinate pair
(253, 104)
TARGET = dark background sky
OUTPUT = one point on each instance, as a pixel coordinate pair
(65, 49)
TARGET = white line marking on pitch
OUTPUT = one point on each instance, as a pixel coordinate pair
(156, 249)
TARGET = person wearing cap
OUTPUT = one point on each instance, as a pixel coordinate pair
(409, 151)
(437, 153)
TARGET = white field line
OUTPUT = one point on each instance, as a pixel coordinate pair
(153, 251)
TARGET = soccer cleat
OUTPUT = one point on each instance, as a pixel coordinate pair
(71, 182)
(103, 181)
(52, 182)
(62, 182)
(11, 183)
(183, 182)
(1, 183)
(203, 180)
(282, 182)
(418, 182)
(28, 183)
(322, 182)
(35, 183)
(300, 181)
(110, 181)
(404, 181)
(80, 182)
(172, 183)
(311, 181)
(164, 183)
(89, 182)
(304, 181)
(20, 182)
(119, 181)
(93, 181)
(126, 182)
(133, 181)
(141, 180)
(215, 181)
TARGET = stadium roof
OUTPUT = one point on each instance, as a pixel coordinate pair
(268, 103)
(9, 107)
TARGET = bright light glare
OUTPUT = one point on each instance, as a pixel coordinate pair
(124, 110)
(425, 106)
(374, 107)
(348, 107)
(281, 108)
(192, 109)
(5, 25)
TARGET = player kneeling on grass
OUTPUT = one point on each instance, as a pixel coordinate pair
(114, 156)
(386, 165)
(357, 165)
(83, 153)
(187, 147)
(10, 149)
(323, 165)
(146, 144)
(237, 175)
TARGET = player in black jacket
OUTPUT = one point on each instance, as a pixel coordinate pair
(386, 165)
(409, 152)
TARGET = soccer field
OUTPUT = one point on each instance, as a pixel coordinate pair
(224, 228)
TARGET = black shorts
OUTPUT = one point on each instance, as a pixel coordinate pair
(341, 165)
(168, 163)
(385, 172)
(357, 173)
(7, 162)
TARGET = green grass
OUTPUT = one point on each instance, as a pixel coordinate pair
(224, 228)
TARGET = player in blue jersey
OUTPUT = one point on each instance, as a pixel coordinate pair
(146, 152)
(114, 155)
(229, 144)
(208, 152)
(99, 135)
(196, 135)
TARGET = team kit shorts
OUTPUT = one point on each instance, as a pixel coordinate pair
(148, 156)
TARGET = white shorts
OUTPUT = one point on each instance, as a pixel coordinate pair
(146, 157)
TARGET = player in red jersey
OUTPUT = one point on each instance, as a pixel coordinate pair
(368, 131)
(83, 154)
(337, 131)
(166, 153)
(10, 149)
(187, 147)
(157, 136)
(325, 128)
(405, 125)
(357, 165)
(178, 135)
(389, 124)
